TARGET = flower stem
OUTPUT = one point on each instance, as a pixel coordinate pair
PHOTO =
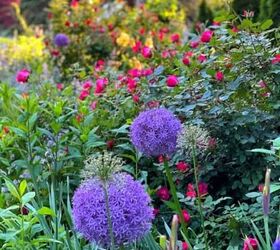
(198, 195)
(110, 225)
(175, 197)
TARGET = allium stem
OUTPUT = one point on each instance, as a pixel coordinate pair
(175, 197)
(110, 225)
(198, 194)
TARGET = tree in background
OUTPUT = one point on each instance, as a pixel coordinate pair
(264, 9)
(275, 12)
(205, 13)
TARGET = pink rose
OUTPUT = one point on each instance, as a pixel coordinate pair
(202, 58)
(186, 60)
(146, 52)
(84, 94)
(250, 244)
(59, 86)
(172, 81)
(194, 44)
(219, 76)
(186, 216)
(22, 76)
(163, 193)
(206, 36)
(175, 38)
(182, 166)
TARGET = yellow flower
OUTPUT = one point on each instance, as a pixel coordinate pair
(149, 42)
(135, 63)
(124, 40)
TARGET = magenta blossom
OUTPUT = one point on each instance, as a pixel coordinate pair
(219, 76)
(163, 193)
(175, 38)
(206, 36)
(250, 244)
(146, 52)
(172, 81)
(22, 76)
(186, 60)
(87, 85)
(194, 44)
(59, 86)
(202, 58)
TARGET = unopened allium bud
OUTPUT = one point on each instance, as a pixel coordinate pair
(266, 192)
(102, 165)
(193, 137)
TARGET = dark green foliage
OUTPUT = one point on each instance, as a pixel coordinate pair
(275, 12)
(264, 9)
(205, 13)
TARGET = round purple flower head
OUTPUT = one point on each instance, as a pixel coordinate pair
(276, 245)
(154, 132)
(61, 40)
(129, 205)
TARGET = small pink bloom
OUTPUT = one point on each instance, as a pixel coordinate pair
(276, 59)
(100, 85)
(137, 47)
(219, 76)
(146, 52)
(22, 76)
(163, 193)
(189, 54)
(74, 3)
(250, 244)
(262, 84)
(206, 36)
(234, 29)
(182, 166)
(136, 98)
(202, 188)
(84, 94)
(186, 216)
(212, 143)
(161, 159)
(155, 211)
(172, 81)
(131, 85)
(110, 144)
(190, 191)
(175, 38)
(260, 187)
(186, 60)
(185, 246)
(153, 104)
(202, 58)
(194, 44)
(93, 105)
(147, 72)
(59, 86)
(87, 85)
(216, 23)
(134, 72)
(165, 54)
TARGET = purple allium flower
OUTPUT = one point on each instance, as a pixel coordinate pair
(276, 245)
(61, 40)
(130, 210)
(154, 132)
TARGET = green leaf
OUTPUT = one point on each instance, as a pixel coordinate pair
(27, 197)
(12, 189)
(254, 194)
(46, 211)
(262, 150)
(266, 24)
(22, 187)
